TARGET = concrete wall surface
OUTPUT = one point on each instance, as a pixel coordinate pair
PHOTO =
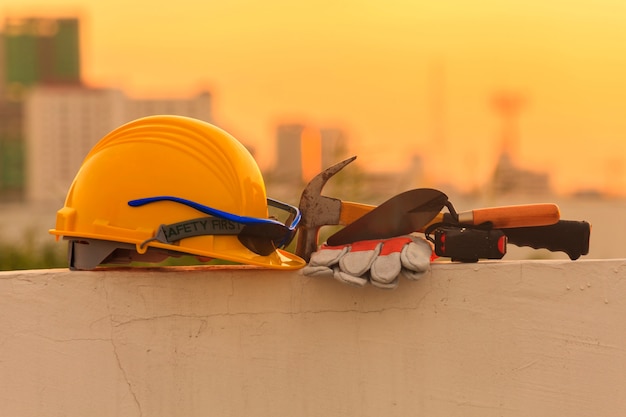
(507, 338)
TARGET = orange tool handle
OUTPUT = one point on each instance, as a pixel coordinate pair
(351, 211)
(524, 215)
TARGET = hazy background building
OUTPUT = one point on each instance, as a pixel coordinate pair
(3, 66)
(288, 152)
(40, 51)
(33, 51)
(302, 149)
(63, 123)
(11, 151)
(199, 106)
(49, 120)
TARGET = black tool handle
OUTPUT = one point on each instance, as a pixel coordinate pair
(569, 236)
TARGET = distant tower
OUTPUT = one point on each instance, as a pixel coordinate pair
(508, 106)
(508, 178)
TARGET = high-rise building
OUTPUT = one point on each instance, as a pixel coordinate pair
(11, 152)
(288, 152)
(2, 67)
(40, 51)
(63, 123)
(33, 51)
(198, 107)
(11, 145)
(48, 119)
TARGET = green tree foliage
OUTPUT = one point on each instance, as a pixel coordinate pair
(31, 255)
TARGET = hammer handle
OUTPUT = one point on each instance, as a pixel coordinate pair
(308, 236)
(351, 211)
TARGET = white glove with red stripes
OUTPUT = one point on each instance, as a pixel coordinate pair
(380, 262)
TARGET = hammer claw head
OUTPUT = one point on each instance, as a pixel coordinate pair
(317, 210)
(313, 189)
(332, 170)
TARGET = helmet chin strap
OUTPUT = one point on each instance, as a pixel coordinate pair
(260, 238)
(201, 226)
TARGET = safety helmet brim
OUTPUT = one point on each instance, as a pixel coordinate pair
(92, 252)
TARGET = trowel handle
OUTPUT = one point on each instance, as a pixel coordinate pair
(541, 214)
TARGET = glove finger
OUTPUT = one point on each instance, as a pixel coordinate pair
(388, 286)
(360, 257)
(416, 255)
(385, 269)
(317, 271)
(356, 281)
(412, 275)
(387, 266)
(328, 255)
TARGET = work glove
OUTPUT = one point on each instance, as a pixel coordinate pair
(380, 262)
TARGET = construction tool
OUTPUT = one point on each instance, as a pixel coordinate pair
(468, 244)
(408, 212)
(318, 210)
(387, 220)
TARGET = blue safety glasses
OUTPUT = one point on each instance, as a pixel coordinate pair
(261, 236)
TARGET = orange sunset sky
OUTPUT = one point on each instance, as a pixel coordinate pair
(402, 77)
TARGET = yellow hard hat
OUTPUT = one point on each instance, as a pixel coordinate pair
(173, 185)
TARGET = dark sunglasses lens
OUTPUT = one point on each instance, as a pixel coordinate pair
(262, 238)
(286, 240)
(279, 234)
(259, 245)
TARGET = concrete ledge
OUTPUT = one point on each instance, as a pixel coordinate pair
(507, 338)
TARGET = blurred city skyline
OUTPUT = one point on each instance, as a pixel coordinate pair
(402, 79)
